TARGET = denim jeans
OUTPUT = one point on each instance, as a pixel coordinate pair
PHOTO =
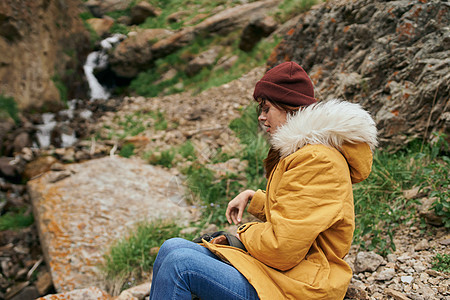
(183, 268)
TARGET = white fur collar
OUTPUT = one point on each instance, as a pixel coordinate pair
(330, 123)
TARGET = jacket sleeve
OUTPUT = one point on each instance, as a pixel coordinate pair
(256, 206)
(308, 200)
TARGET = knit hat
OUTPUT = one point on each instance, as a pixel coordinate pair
(286, 83)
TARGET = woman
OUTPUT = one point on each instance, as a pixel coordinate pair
(317, 151)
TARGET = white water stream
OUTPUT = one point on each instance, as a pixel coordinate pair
(99, 59)
(96, 59)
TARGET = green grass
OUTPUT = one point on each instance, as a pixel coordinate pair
(379, 203)
(130, 259)
(255, 146)
(147, 84)
(127, 150)
(8, 108)
(290, 8)
(165, 158)
(16, 219)
(441, 262)
(62, 88)
(136, 123)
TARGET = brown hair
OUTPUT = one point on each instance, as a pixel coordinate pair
(273, 156)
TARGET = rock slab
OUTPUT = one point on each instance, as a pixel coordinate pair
(79, 216)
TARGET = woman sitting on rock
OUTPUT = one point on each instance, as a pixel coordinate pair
(297, 252)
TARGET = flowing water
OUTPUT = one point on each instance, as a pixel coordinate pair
(95, 60)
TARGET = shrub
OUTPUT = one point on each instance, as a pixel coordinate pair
(8, 108)
(379, 203)
(441, 262)
(130, 259)
(16, 219)
(127, 150)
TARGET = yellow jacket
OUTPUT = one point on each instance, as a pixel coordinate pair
(307, 214)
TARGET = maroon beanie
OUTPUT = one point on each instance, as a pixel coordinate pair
(286, 83)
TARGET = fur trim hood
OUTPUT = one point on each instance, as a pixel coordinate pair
(331, 123)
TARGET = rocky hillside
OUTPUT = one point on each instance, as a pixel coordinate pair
(390, 56)
(43, 45)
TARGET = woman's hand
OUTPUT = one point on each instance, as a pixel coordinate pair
(236, 206)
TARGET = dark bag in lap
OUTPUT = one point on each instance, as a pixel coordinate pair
(229, 239)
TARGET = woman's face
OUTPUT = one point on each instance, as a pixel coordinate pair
(271, 116)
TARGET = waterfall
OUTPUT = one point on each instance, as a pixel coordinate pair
(98, 60)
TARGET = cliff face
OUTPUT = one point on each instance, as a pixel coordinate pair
(43, 44)
(390, 56)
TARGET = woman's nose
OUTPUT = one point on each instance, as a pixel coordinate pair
(261, 117)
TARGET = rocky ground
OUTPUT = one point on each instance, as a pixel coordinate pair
(404, 274)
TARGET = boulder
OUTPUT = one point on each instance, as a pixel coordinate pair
(389, 56)
(256, 29)
(89, 293)
(356, 293)
(101, 26)
(21, 141)
(134, 54)
(367, 261)
(36, 53)
(203, 60)
(39, 166)
(142, 11)
(100, 7)
(82, 210)
(427, 212)
(128, 60)
(177, 16)
(9, 169)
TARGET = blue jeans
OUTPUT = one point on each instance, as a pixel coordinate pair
(183, 268)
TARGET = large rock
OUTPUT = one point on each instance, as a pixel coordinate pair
(141, 11)
(101, 26)
(134, 54)
(203, 60)
(390, 56)
(367, 261)
(82, 210)
(100, 7)
(42, 44)
(143, 55)
(256, 29)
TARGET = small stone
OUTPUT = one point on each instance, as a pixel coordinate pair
(412, 193)
(407, 279)
(415, 296)
(392, 258)
(367, 261)
(386, 274)
(433, 273)
(395, 294)
(422, 245)
(44, 283)
(138, 292)
(15, 289)
(87, 293)
(424, 277)
(355, 292)
(58, 176)
(154, 250)
(419, 267)
(445, 242)
(29, 292)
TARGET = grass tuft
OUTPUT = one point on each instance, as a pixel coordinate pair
(130, 259)
(16, 219)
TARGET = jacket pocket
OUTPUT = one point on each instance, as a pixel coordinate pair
(245, 226)
(306, 271)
